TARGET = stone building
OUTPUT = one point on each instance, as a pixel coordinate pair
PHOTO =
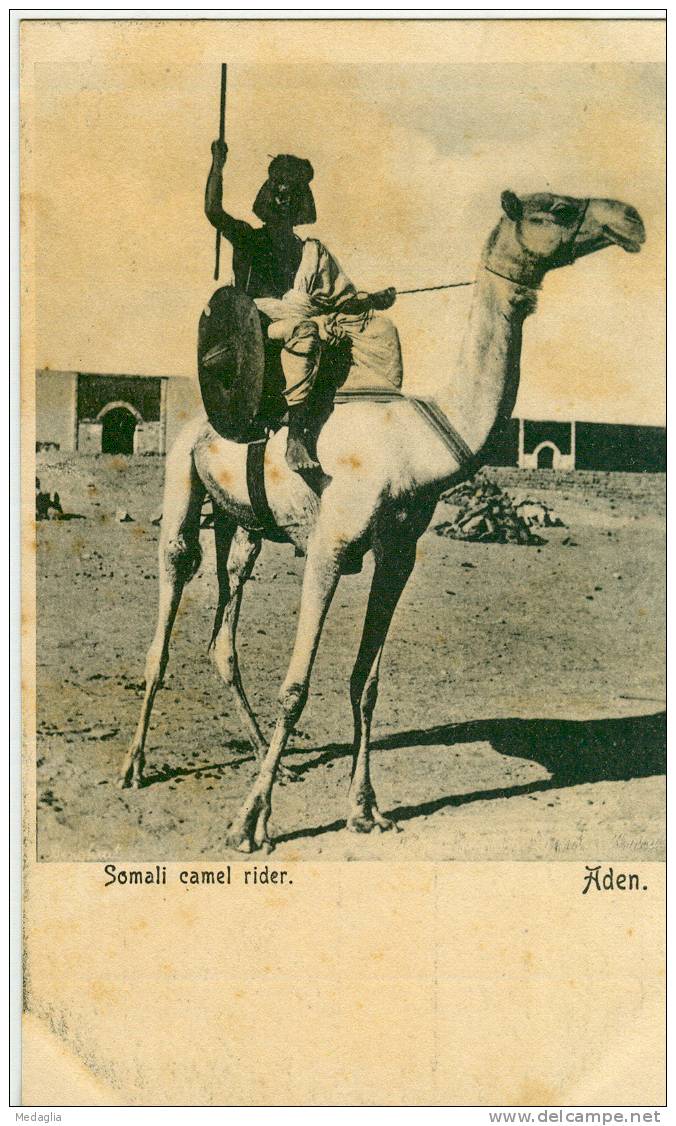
(87, 412)
(602, 446)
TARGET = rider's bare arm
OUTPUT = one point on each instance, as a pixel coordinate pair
(235, 230)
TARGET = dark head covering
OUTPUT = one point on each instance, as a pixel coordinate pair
(297, 173)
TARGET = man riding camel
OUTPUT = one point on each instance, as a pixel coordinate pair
(305, 299)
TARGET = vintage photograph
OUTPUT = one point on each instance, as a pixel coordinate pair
(343, 583)
(348, 418)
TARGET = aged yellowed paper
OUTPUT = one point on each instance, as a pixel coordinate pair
(264, 867)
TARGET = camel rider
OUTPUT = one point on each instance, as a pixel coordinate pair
(301, 290)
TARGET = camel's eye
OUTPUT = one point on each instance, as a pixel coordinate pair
(563, 212)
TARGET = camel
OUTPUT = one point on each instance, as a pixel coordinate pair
(386, 468)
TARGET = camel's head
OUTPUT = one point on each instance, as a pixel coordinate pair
(543, 231)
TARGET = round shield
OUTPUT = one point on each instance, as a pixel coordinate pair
(231, 363)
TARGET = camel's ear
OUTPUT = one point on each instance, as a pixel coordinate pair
(511, 205)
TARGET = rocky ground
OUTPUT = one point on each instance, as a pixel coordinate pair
(521, 704)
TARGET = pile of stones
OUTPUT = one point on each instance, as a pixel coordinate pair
(487, 514)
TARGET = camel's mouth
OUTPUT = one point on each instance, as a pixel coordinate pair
(608, 236)
(610, 223)
(624, 227)
(630, 240)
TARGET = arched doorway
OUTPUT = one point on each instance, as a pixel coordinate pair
(118, 426)
(547, 456)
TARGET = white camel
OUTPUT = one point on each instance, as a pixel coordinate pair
(387, 468)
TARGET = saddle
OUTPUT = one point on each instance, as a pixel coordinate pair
(240, 371)
(242, 387)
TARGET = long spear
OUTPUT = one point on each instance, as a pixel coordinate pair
(221, 137)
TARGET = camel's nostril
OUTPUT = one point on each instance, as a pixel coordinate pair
(632, 214)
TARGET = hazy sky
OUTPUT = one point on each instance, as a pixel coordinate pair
(410, 159)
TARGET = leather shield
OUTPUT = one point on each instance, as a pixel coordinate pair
(231, 363)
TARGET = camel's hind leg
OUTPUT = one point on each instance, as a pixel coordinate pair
(236, 553)
(179, 559)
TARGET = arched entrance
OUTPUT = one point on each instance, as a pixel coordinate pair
(118, 426)
(548, 456)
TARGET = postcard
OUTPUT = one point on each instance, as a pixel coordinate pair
(342, 454)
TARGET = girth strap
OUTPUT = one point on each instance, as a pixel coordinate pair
(258, 498)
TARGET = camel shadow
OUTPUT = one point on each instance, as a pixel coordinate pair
(208, 770)
(573, 752)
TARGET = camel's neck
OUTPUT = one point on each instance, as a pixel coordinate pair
(483, 389)
(486, 379)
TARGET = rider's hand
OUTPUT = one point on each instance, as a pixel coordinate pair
(330, 331)
(219, 154)
(384, 298)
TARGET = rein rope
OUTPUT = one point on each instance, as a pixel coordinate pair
(430, 288)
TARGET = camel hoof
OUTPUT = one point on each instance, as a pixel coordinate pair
(384, 824)
(360, 824)
(239, 841)
(129, 781)
(387, 826)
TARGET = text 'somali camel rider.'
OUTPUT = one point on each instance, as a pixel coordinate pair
(305, 299)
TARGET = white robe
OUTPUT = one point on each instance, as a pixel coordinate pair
(319, 290)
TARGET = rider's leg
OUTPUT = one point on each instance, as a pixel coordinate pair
(301, 354)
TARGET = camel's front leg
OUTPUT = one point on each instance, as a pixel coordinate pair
(179, 558)
(322, 571)
(394, 563)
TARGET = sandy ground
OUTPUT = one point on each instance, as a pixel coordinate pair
(521, 705)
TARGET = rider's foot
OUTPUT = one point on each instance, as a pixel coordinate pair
(298, 455)
(300, 445)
